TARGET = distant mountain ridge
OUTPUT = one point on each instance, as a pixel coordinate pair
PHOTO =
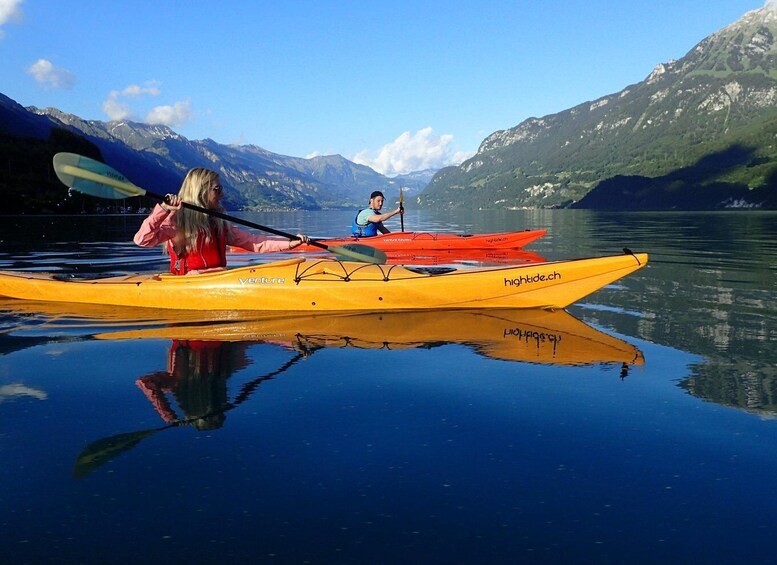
(259, 178)
(156, 157)
(719, 99)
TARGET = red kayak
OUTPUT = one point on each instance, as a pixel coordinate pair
(502, 256)
(425, 241)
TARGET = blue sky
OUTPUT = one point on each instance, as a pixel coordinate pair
(400, 85)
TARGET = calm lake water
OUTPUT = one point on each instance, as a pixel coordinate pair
(639, 428)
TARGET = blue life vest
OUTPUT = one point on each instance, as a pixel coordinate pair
(370, 230)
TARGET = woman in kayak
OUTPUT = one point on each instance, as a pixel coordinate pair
(196, 242)
(369, 221)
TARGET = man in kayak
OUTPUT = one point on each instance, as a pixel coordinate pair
(197, 242)
(369, 221)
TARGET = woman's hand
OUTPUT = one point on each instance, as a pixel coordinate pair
(298, 240)
(172, 203)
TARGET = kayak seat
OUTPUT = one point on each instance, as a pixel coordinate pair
(431, 270)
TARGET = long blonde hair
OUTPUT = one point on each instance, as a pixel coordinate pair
(191, 223)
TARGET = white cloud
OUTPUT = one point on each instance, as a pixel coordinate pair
(135, 90)
(171, 115)
(412, 152)
(117, 108)
(49, 76)
(114, 106)
(10, 11)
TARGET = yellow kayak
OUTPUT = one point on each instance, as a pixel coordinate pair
(328, 285)
(536, 336)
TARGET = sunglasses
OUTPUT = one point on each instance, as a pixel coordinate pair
(217, 188)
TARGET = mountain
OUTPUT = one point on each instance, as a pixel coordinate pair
(17, 121)
(156, 158)
(254, 178)
(697, 133)
(414, 183)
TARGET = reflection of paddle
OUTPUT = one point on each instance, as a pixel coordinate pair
(103, 450)
(98, 179)
(401, 209)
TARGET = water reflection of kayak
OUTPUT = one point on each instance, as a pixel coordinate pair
(537, 336)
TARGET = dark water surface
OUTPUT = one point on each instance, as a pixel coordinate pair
(640, 428)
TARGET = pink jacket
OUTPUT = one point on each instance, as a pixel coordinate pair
(159, 227)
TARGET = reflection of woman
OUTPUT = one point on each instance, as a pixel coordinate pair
(196, 376)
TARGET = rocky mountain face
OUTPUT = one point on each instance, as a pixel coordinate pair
(697, 133)
(254, 177)
(157, 158)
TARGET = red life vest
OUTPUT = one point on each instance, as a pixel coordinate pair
(207, 255)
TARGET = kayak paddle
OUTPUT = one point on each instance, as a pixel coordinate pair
(401, 209)
(88, 176)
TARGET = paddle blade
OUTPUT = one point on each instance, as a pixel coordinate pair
(103, 450)
(88, 176)
(360, 253)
